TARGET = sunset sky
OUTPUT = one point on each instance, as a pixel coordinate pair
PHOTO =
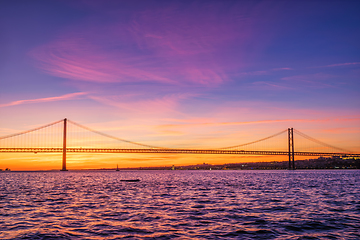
(196, 74)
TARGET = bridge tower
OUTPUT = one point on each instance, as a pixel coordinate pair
(64, 148)
(291, 149)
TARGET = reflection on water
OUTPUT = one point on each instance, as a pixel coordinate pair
(180, 204)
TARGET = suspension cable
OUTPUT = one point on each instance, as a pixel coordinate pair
(245, 144)
(109, 136)
(32, 130)
(150, 146)
(320, 142)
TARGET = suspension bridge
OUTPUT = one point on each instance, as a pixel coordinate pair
(66, 136)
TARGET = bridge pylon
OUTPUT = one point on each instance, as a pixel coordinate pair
(291, 149)
(64, 148)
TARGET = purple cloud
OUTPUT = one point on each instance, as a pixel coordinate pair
(174, 45)
(48, 99)
(343, 64)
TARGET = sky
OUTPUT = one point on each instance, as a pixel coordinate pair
(195, 74)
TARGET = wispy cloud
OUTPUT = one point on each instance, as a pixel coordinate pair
(269, 85)
(174, 45)
(263, 72)
(309, 77)
(49, 99)
(342, 130)
(281, 69)
(338, 65)
(77, 59)
(343, 64)
(316, 80)
(157, 106)
(241, 123)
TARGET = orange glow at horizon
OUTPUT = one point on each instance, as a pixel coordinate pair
(53, 161)
(196, 133)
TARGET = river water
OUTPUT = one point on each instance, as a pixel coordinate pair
(180, 204)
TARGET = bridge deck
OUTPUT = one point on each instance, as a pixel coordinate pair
(170, 150)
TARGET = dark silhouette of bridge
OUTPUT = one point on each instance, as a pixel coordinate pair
(66, 136)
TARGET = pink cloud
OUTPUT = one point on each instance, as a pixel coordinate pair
(174, 45)
(262, 72)
(190, 31)
(342, 130)
(156, 106)
(211, 122)
(317, 80)
(255, 73)
(79, 60)
(280, 69)
(309, 77)
(253, 111)
(343, 64)
(338, 65)
(272, 86)
(49, 99)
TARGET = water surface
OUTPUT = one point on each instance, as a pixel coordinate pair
(180, 204)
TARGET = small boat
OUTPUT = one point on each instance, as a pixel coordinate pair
(130, 180)
(117, 167)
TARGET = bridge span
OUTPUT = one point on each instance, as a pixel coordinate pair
(172, 150)
(22, 143)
